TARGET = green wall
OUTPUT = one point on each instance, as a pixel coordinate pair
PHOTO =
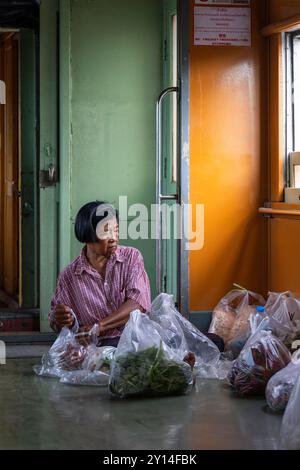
(111, 83)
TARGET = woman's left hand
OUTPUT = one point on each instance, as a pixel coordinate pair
(102, 329)
(83, 335)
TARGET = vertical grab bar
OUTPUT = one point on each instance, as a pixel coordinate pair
(159, 195)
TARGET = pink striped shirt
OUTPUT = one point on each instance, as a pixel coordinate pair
(93, 298)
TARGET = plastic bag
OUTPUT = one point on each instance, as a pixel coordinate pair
(218, 371)
(262, 356)
(274, 300)
(144, 365)
(98, 359)
(86, 377)
(231, 315)
(180, 334)
(95, 368)
(285, 321)
(290, 428)
(235, 346)
(257, 321)
(67, 353)
(281, 385)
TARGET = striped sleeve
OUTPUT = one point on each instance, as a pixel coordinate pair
(137, 286)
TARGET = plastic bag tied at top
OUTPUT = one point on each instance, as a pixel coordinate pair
(231, 316)
(179, 333)
(284, 317)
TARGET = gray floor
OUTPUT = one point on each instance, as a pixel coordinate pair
(26, 350)
(39, 413)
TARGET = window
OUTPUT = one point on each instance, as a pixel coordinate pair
(292, 108)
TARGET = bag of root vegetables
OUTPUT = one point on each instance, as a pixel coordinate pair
(95, 368)
(262, 357)
(67, 353)
(231, 316)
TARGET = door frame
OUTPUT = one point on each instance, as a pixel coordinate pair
(184, 142)
(29, 145)
(65, 134)
(48, 139)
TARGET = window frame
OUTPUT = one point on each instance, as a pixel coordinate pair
(291, 152)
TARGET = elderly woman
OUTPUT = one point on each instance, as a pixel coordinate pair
(104, 283)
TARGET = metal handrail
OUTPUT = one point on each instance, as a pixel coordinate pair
(269, 211)
(159, 196)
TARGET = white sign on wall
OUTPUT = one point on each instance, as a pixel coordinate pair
(222, 26)
(2, 92)
(225, 2)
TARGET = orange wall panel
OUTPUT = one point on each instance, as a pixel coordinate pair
(282, 9)
(228, 164)
(285, 255)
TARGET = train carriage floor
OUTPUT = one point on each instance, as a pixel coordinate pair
(41, 413)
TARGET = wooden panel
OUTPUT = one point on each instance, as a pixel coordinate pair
(228, 164)
(10, 179)
(288, 24)
(282, 9)
(285, 255)
(28, 323)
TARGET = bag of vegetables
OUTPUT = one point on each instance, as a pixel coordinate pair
(95, 368)
(144, 365)
(180, 334)
(231, 315)
(67, 353)
(262, 357)
(281, 385)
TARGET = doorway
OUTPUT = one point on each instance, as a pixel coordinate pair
(9, 172)
(18, 167)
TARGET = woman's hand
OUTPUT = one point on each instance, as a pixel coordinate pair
(63, 317)
(83, 335)
(102, 329)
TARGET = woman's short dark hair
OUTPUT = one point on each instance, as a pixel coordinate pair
(88, 217)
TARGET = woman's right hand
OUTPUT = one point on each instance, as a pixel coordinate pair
(63, 317)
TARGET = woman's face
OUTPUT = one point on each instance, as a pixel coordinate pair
(108, 237)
